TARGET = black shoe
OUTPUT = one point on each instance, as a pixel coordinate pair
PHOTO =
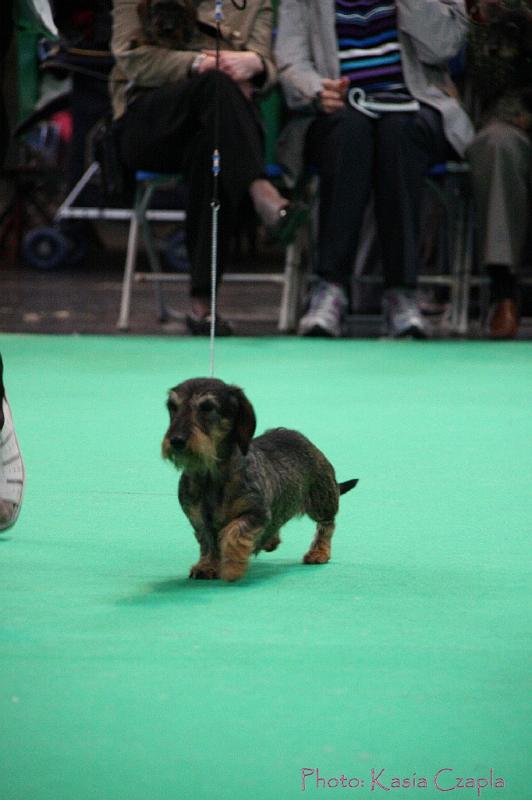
(291, 217)
(201, 326)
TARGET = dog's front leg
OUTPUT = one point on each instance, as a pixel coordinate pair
(237, 542)
(208, 566)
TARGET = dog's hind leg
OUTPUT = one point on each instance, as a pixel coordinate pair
(322, 507)
(320, 549)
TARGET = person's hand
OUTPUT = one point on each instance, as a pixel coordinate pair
(333, 94)
(205, 64)
(240, 65)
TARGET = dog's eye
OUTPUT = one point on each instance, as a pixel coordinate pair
(206, 406)
(171, 406)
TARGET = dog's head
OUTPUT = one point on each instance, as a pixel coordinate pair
(168, 23)
(208, 419)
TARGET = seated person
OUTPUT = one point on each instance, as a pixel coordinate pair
(376, 109)
(173, 105)
(500, 75)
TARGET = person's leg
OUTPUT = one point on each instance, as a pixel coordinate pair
(2, 394)
(11, 464)
(407, 145)
(501, 160)
(6, 32)
(501, 166)
(175, 128)
(341, 147)
(227, 120)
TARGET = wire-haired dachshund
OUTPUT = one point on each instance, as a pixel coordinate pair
(167, 23)
(238, 491)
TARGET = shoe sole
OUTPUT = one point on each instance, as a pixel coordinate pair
(317, 332)
(412, 333)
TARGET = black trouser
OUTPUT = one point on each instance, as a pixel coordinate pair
(6, 31)
(2, 393)
(172, 129)
(391, 155)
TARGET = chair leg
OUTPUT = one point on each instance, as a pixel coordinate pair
(129, 271)
(455, 243)
(466, 260)
(292, 284)
(460, 249)
(153, 256)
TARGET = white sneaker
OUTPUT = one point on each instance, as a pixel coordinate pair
(402, 315)
(328, 304)
(12, 473)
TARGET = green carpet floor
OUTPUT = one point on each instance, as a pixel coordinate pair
(407, 654)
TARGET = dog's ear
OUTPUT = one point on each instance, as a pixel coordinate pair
(245, 421)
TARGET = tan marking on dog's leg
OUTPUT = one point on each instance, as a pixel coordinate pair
(320, 549)
(237, 542)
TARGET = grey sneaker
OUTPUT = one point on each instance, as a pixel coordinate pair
(328, 304)
(11, 472)
(402, 316)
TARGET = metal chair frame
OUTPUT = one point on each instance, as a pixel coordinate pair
(140, 219)
(457, 245)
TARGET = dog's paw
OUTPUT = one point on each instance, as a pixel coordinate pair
(316, 557)
(271, 544)
(203, 572)
(233, 570)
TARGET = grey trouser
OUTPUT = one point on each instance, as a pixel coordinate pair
(501, 171)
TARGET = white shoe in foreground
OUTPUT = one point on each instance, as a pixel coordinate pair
(11, 472)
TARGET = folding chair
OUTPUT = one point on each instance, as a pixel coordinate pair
(140, 224)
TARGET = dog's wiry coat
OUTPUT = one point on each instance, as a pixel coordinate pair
(238, 492)
(166, 23)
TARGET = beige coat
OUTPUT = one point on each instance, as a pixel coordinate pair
(145, 66)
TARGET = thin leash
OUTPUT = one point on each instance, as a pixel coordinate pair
(216, 169)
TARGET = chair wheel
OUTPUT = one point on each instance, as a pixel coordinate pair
(176, 255)
(50, 248)
(45, 248)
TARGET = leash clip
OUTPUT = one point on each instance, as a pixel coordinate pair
(218, 11)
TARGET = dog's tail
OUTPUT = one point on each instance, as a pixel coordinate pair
(346, 486)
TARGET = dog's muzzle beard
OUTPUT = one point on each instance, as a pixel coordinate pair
(174, 449)
(187, 454)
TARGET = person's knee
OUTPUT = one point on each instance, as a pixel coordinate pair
(215, 82)
(347, 140)
(404, 134)
(351, 123)
(499, 141)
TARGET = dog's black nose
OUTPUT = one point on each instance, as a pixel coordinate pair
(178, 443)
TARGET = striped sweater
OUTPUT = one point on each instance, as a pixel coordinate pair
(370, 53)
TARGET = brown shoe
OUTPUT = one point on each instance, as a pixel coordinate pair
(504, 321)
